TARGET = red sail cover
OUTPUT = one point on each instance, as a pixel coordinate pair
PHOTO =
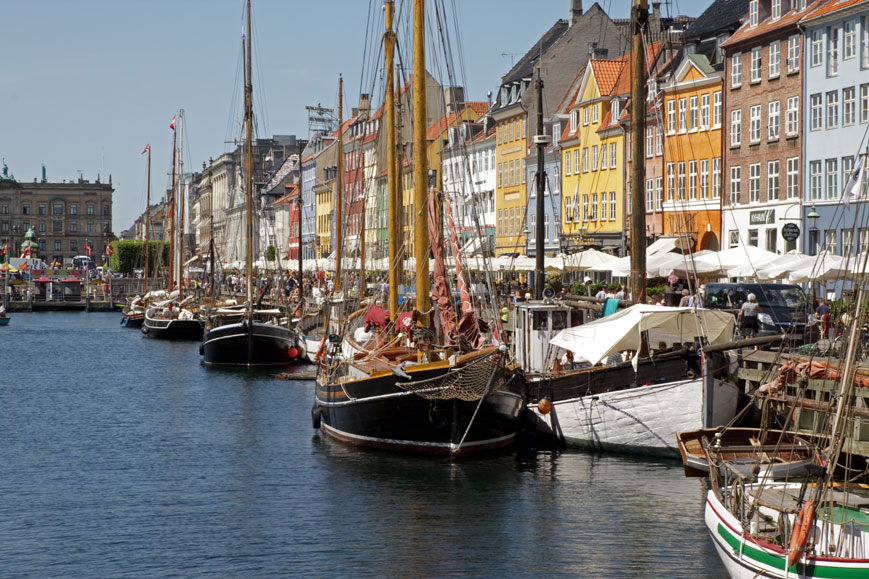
(440, 291)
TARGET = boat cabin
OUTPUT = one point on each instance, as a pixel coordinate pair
(534, 324)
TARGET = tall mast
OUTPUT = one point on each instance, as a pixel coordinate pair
(301, 295)
(539, 265)
(248, 166)
(182, 197)
(147, 223)
(420, 164)
(391, 174)
(172, 214)
(339, 188)
(640, 18)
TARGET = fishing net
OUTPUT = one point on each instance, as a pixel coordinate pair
(469, 382)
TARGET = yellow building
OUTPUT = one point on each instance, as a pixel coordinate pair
(592, 149)
(324, 193)
(511, 192)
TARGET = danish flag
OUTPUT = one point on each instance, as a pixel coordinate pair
(147, 148)
(172, 124)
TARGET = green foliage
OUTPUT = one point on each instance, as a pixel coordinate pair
(129, 255)
(271, 253)
(578, 289)
(654, 291)
(553, 280)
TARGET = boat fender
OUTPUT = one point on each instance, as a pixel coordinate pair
(201, 349)
(144, 329)
(316, 417)
(292, 352)
(803, 523)
(321, 351)
(544, 406)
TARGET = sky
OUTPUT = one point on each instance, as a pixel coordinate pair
(85, 85)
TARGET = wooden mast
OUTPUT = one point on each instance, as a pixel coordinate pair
(172, 214)
(248, 168)
(181, 209)
(339, 188)
(540, 231)
(420, 164)
(393, 206)
(640, 17)
(147, 223)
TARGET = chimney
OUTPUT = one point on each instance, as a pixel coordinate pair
(364, 104)
(575, 12)
(592, 47)
(454, 97)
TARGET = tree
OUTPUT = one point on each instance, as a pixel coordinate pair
(271, 253)
(129, 255)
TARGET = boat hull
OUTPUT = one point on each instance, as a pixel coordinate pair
(133, 320)
(643, 420)
(746, 557)
(259, 346)
(172, 329)
(4, 321)
(378, 412)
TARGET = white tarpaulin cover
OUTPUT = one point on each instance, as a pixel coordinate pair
(596, 340)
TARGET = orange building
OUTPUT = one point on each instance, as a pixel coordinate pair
(691, 115)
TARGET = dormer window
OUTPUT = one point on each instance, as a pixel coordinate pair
(574, 120)
(615, 111)
(556, 133)
(653, 90)
(752, 13)
(776, 10)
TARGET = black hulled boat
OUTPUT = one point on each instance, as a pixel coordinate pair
(165, 323)
(264, 342)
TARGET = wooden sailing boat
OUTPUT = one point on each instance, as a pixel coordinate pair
(424, 398)
(176, 317)
(249, 337)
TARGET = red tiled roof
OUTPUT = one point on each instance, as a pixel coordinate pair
(439, 126)
(479, 107)
(829, 7)
(787, 20)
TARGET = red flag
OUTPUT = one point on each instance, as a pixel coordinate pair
(26, 252)
(3, 249)
(172, 124)
(87, 249)
(147, 148)
(23, 266)
(109, 250)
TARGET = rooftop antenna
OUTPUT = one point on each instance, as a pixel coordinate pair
(511, 55)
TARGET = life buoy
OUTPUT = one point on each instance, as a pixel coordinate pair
(804, 523)
(321, 351)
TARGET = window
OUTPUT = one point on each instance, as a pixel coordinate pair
(614, 111)
(816, 104)
(849, 50)
(57, 246)
(671, 181)
(754, 125)
(847, 239)
(73, 245)
(832, 178)
(716, 177)
(692, 180)
(793, 116)
(772, 120)
(584, 116)
(816, 181)
(864, 239)
(612, 155)
(42, 209)
(716, 109)
(650, 141)
(510, 174)
(594, 158)
(500, 224)
(603, 157)
(524, 125)
(90, 208)
(735, 184)
(817, 54)
(864, 103)
(73, 209)
(593, 216)
(848, 106)
(847, 167)
(501, 174)
(603, 206)
(57, 226)
(650, 194)
(612, 205)
(832, 109)
(793, 178)
(735, 128)
(692, 113)
(576, 161)
(585, 207)
(774, 59)
(681, 181)
(659, 141)
(90, 226)
(25, 207)
(776, 10)
(704, 111)
(683, 109)
(574, 117)
(771, 239)
(594, 109)
(659, 194)
(830, 241)
(524, 171)
(585, 160)
(772, 180)
(833, 51)
(42, 227)
(671, 116)
(57, 209)
(793, 53)
(755, 64)
(864, 43)
(754, 183)
(752, 13)
(704, 178)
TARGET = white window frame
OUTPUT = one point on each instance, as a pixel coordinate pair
(736, 70)
(595, 118)
(833, 51)
(773, 120)
(831, 178)
(735, 185)
(683, 113)
(659, 193)
(671, 181)
(659, 140)
(754, 125)
(613, 160)
(593, 206)
(816, 181)
(775, 10)
(793, 178)
(594, 159)
(736, 128)
(792, 122)
(752, 13)
(817, 49)
(704, 112)
(680, 180)
(864, 103)
(671, 116)
(716, 178)
(772, 180)
(603, 216)
(756, 64)
(692, 179)
(793, 53)
(650, 141)
(613, 214)
(585, 159)
(849, 40)
(716, 109)
(704, 178)
(754, 183)
(774, 59)
(816, 108)
(832, 110)
(849, 106)
(692, 113)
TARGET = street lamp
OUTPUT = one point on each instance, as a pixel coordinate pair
(814, 238)
(812, 217)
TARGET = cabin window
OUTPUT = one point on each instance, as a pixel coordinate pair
(559, 320)
(541, 320)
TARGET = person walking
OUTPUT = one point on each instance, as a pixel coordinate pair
(747, 317)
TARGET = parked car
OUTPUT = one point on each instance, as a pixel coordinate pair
(784, 307)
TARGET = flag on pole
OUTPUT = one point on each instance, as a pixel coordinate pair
(26, 252)
(87, 249)
(3, 248)
(172, 124)
(147, 148)
(109, 250)
(852, 188)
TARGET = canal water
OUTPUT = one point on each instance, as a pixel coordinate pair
(125, 457)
